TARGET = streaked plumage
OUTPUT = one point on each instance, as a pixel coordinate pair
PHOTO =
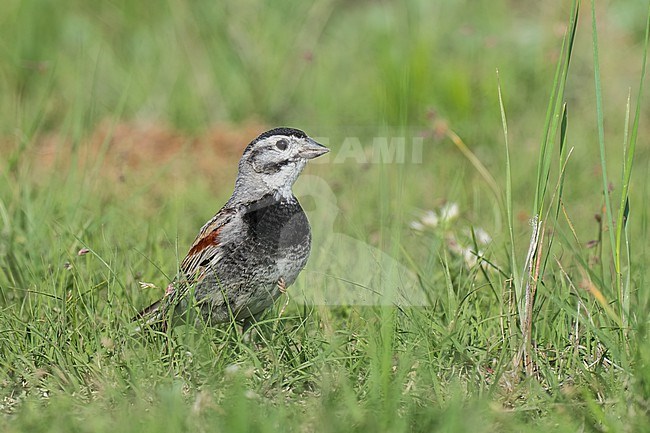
(254, 248)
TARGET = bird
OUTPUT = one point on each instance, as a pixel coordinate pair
(248, 254)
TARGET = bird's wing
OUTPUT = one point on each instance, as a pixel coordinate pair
(204, 251)
(206, 247)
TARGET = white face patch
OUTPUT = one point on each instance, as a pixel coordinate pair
(283, 180)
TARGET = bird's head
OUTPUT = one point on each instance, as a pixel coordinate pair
(273, 161)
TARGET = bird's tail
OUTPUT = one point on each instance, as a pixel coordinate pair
(155, 315)
(152, 317)
(150, 310)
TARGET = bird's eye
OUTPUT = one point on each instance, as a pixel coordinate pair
(281, 144)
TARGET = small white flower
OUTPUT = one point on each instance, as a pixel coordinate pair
(470, 257)
(482, 237)
(430, 219)
(449, 211)
(416, 225)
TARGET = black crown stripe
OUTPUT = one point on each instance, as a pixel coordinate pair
(290, 132)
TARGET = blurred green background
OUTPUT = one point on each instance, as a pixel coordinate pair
(121, 123)
(336, 69)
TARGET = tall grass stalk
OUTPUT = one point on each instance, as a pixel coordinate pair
(617, 227)
(514, 267)
(623, 209)
(534, 264)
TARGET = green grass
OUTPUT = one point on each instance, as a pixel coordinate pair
(556, 133)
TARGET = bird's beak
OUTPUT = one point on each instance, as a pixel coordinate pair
(312, 149)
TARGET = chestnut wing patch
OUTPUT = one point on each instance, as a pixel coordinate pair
(205, 248)
(204, 242)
